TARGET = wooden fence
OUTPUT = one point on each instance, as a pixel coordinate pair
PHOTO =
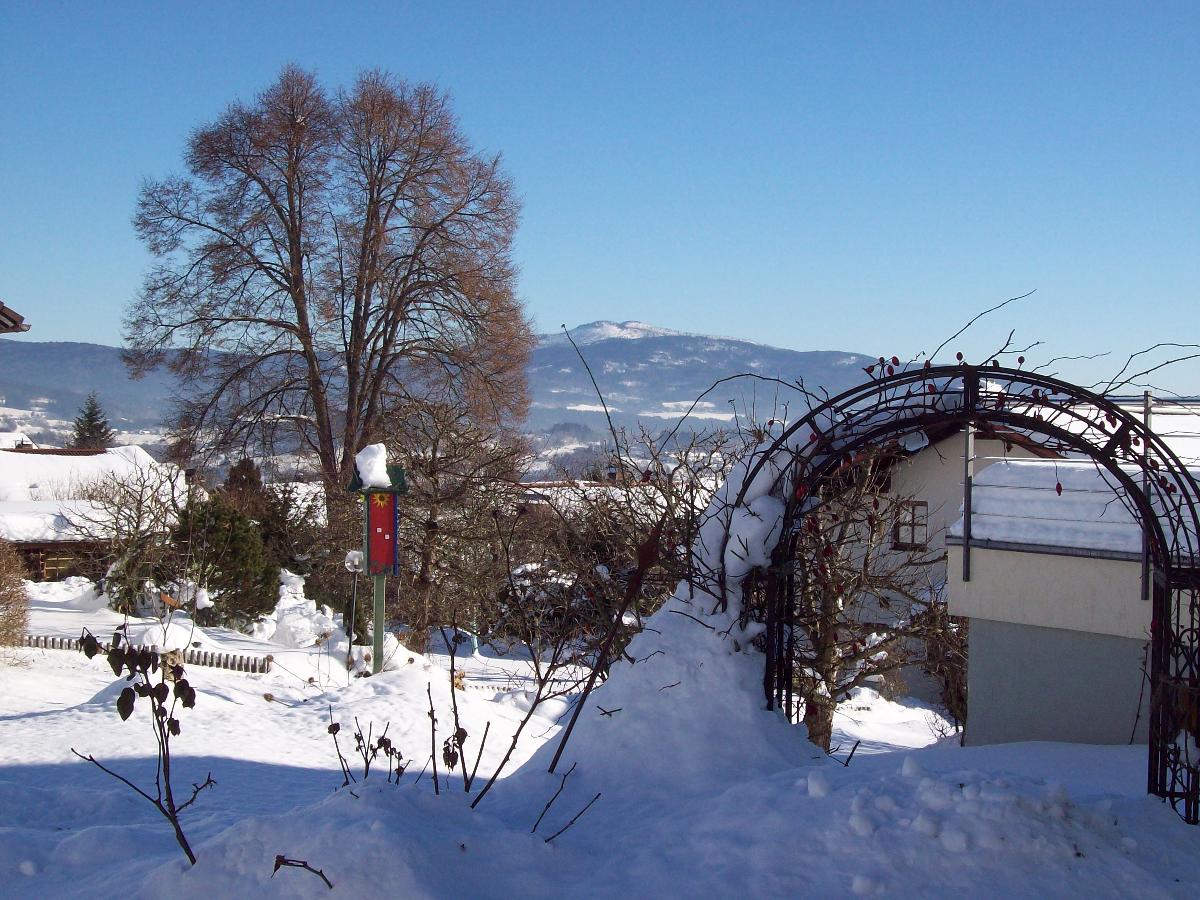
(192, 657)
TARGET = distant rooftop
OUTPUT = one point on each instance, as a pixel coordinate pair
(10, 321)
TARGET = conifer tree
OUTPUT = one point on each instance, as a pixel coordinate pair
(92, 431)
(223, 551)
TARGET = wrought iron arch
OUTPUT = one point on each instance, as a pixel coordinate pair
(1159, 490)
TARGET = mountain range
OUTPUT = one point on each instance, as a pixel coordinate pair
(645, 373)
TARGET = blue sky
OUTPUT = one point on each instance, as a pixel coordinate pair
(858, 176)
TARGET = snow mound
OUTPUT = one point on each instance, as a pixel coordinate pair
(297, 622)
(690, 706)
(76, 593)
(177, 633)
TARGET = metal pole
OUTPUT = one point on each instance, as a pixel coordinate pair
(968, 482)
(350, 626)
(377, 626)
(1147, 402)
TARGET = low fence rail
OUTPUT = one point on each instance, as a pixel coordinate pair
(235, 662)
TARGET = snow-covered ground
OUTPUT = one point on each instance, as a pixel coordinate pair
(701, 793)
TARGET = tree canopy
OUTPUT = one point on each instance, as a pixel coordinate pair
(325, 257)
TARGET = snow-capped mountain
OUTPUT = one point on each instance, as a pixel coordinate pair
(653, 374)
(646, 373)
(594, 332)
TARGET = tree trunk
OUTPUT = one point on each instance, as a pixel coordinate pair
(818, 719)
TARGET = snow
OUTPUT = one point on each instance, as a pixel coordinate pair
(914, 441)
(10, 439)
(51, 476)
(605, 330)
(590, 407)
(39, 491)
(297, 622)
(695, 414)
(1018, 501)
(702, 791)
(371, 463)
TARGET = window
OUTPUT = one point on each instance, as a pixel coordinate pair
(911, 531)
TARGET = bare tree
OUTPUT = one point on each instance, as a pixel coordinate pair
(462, 464)
(322, 254)
(867, 601)
(129, 516)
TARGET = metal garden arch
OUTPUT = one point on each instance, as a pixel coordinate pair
(1062, 417)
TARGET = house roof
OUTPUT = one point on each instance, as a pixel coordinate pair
(1018, 502)
(11, 439)
(11, 321)
(40, 491)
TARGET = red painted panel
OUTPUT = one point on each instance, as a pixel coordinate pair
(381, 534)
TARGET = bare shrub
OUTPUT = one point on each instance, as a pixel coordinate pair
(14, 603)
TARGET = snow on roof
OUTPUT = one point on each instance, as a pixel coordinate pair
(1177, 422)
(1179, 427)
(40, 491)
(10, 439)
(54, 476)
(46, 521)
(1017, 501)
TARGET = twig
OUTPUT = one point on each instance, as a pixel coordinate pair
(333, 729)
(196, 789)
(647, 555)
(281, 861)
(433, 738)
(603, 403)
(976, 318)
(550, 802)
(574, 820)
(851, 756)
(537, 700)
(452, 646)
(693, 618)
(121, 778)
(479, 755)
(421, 774)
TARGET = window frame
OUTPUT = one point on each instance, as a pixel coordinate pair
(913, 517)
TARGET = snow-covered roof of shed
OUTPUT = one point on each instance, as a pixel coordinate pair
(54, 476)
(47, 521)
(1017, 501)
(39, 492)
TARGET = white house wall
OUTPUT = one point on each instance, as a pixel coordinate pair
(934, 475)
(1050, 591)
